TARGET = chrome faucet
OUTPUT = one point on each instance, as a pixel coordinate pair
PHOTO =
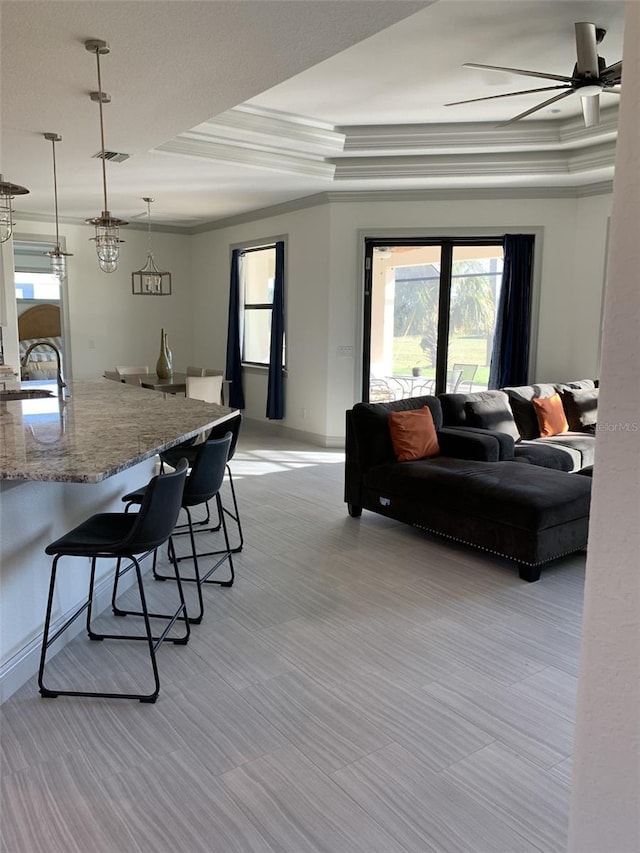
(59, 378)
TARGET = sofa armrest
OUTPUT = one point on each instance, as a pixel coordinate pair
(506, 444)
(463, 443)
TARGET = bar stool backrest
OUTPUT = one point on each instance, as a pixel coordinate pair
(207, 471)
(233, 426)
(158, 512)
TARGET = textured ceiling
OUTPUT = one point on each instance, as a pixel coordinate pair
(228, 107)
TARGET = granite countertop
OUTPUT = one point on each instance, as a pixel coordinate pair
(102, 428)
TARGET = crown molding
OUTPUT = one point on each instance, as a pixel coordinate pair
(189, 145)
(422, 195)
(495, 165)
(25, 216)
(478, 136)
(273, 127)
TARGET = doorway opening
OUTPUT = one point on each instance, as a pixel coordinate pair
(40, 308)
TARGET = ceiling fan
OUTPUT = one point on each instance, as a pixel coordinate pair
(591, 76)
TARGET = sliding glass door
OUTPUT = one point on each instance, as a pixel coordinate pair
(429, 316)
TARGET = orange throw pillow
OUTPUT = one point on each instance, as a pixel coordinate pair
(413, 434)
(551, 416)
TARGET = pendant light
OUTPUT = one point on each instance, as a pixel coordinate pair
(7, 192)
(150, 281)
(57, 256)
(107, 227)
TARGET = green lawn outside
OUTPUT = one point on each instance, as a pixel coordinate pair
(407, 353)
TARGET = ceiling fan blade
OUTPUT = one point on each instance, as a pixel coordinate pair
(520, 71)
(591, 110)
(587, 49)
(506, 95)
(612, 72)
(535, 109)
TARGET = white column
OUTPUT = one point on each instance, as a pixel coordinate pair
(605, 805)
(8, 310)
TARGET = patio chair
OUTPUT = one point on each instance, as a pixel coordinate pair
(467, 375)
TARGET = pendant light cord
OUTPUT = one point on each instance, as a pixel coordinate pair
(104, 168)
(55, 193)
(149, 223)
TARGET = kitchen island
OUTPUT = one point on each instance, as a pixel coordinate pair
(61, 460)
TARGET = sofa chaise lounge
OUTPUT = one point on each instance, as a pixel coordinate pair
(526, 513)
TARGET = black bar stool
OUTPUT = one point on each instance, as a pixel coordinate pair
(189, 452)
(123, 535)
(202, 485)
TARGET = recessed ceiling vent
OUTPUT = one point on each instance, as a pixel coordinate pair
(111, 156)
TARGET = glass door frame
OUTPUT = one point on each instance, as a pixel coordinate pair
(447, 245)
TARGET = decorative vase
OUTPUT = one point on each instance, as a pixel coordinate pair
(416, 371)
(164, 365)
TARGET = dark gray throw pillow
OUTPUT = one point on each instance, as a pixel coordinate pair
(581, 408)
(492, 414)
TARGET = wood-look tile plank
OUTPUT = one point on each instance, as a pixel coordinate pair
(174, 804)
(300, 810)
(563, 771)
(553, 688)
(312, 718)
(217, 723)
(236, 654)
(527, 726)
(424, 810)
(60, 806)
(519, 793)
(412, 718)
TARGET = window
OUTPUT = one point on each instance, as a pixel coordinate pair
(430, 315)
(256, 322)
(257, 271)
(37, 285)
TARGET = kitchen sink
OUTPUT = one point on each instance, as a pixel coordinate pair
(24, 394)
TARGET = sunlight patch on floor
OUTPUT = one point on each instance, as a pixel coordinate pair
(258, 462)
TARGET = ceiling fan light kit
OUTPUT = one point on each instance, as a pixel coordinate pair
(107, 238)
(591, 76)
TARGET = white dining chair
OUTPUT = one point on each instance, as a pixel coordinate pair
(207, 388)
(125, 369)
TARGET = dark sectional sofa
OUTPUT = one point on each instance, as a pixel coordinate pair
(509, 415)
(470, 492)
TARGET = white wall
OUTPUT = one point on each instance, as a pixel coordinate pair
(324, 290)
(324, 294)
(606, 765)
(109, 325)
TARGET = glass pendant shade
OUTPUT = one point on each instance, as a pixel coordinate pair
(108, 266)
(58, 263)
(107, 238)
(7, 192)
(57, 258)
(150, 281)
